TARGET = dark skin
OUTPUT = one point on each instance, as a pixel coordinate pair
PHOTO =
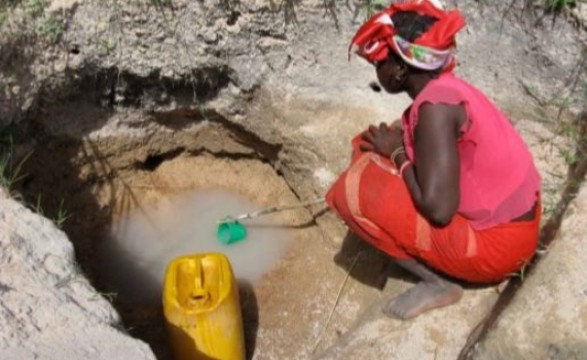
(435, 188)
(433, 182)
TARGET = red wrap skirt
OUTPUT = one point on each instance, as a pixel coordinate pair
(373, 200)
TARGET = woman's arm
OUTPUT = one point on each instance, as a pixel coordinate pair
(433, 181)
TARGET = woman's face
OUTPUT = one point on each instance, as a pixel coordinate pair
(391, 76)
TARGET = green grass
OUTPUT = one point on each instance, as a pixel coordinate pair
(107, 46)
(559, 5)
(61, 216)
(36, 8)
(10, 172)
(161, 2)
(521, 273)
(50, 28)
(28, 17)
(230, 4)
(3, 18)
(37, 207)
(9, 3)
(373, 6)
(7, 176)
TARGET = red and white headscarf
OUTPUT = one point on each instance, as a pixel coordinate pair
(433, 50)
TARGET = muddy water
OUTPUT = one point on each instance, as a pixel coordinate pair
(141, 244)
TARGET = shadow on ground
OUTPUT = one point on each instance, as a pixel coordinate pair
(372, 268)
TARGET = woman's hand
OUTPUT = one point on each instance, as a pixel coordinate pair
(383, 139)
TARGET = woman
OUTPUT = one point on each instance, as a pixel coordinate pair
(455, 190)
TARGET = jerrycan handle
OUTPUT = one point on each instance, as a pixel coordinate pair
(199, 295)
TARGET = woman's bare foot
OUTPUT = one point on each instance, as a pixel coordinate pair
(421, 298)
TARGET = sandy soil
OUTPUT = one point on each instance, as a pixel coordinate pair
(286, 311)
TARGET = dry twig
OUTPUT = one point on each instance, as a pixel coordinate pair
(348, 274)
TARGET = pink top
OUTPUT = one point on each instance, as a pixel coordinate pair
(498, 180)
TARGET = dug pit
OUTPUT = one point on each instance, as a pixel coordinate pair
(132, 200)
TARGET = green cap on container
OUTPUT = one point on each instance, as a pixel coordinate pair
(230, 232)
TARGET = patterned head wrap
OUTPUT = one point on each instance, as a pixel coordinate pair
(433, 50)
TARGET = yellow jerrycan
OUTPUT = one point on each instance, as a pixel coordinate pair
(202, 310)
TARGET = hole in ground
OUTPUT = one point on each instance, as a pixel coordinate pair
(152, 162)
(174, 213)
(96, 155)
(103, 188)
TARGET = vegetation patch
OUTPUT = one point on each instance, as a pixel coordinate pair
(559, 5)
(26, 18)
